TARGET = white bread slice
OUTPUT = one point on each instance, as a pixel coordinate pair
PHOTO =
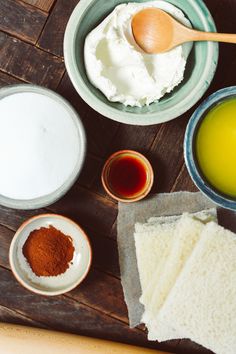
(168, 277)
(152, 246)
(186, 235)
(202, 304)
(151, 226)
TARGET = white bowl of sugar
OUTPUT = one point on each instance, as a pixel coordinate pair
(42, 146)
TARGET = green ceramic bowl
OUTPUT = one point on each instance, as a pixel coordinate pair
(199, 73)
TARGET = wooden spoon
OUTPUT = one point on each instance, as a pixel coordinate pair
(155, 32)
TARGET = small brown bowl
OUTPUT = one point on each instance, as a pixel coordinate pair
(106, 176)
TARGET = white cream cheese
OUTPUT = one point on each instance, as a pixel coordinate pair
(117, 67)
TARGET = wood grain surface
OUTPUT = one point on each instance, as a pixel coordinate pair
(21, 20)
(31, 51)
(44, 5)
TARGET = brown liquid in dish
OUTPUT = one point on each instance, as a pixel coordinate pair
(127, 176)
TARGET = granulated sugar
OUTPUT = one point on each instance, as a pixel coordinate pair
(39, 145)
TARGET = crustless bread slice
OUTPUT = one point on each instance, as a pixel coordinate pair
(186, 235)
(160, 283)
(202, 304)
(152, 247)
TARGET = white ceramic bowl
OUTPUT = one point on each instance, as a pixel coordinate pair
(64, 106)
(51, 285)
(200, 69)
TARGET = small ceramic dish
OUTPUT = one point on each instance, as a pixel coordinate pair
(189, 148)
(145, 165)
(61, 105)
(200, 69)
(60, 284)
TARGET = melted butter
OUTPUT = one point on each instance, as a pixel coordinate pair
(216, 147)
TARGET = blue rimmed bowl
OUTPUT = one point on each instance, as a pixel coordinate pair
(200, 69)
(190, 143)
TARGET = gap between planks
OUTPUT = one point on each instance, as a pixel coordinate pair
(48, 17)
(99, 311)
(28, 4)
(66, 296)
(14, 77)
(155, 138)
(40, 8)
(177, 178)
(33, 45)
(48, 209)
(27, 318)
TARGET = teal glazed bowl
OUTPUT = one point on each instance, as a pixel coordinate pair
(200, 69)
(191, 162)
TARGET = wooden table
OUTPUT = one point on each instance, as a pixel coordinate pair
(31, 35)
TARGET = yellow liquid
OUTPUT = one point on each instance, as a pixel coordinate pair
(216, 147)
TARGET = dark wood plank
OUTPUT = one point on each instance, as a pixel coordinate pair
(105, 253)
(88, 209)
(17, 18)
(97, 186)
(224, 16)
(225, 74)
(91, 176)
(64, 314)
(28, 63)
(134, 137)
(6, 236)
(108, 297)
(100, 131)
(12, 219)
(6, 79)
(44, 5)
(52, 36)
(227, 218)
(9, 316)
(166, 153)
(184, 182)
(91, 170)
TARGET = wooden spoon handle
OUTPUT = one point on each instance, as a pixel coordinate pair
(212, 36)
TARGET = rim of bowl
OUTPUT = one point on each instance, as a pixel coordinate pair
(145, 191)
(189, 156)
(135, 118)
(48, 199)
(44, 292)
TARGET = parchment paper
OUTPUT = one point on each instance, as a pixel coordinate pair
(156, 205)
